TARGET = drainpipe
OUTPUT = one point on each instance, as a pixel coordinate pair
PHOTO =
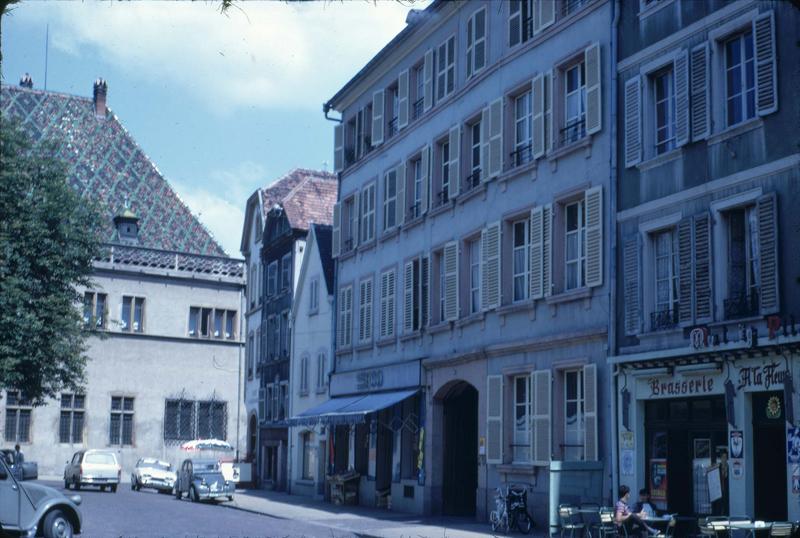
(326, 107)
(612, 333)
(239, 380)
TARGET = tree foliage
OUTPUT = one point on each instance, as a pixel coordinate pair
(49, 236)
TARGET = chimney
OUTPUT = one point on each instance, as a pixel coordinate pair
(26, 81)
(100, 92)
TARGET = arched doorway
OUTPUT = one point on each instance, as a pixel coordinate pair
(460, 449)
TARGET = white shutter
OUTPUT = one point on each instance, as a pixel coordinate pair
(547, 249)
(541, 386)
(424, 291)
(590, 433)
(594, 236)
(454, 168)
(451, 281)
(549, 124)
(408, 297)
(338, 148)
(700, 90)
(702, 268)
(633, 121)
(336, 240)
(390, 303)
(341, 328)
(362, 311)
(766, 65)
(377, 117)
(368, 316)
(402, 99)
(769, 298)
(485, 113)
(426, 174)
(594, 107)
(494, 419)
(547, 14)
(495, 138)
(537, 104)
(357, 220)
(427, 88)
(685, 276)
(490, 266)
(631, 286)
(536, 236)
(382, 326)
(681, 69)
(401, 193)
(514, 22)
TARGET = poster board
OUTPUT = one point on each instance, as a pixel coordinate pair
(714, 478)
(658, 482)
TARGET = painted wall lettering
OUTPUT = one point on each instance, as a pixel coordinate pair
(765, 376)
(371, 379)
(700, 385)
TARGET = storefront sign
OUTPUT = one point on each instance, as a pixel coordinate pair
(737, 444)
(392, 377)
(765, 375)
(658, 481)
(793, 445)
(681, 387)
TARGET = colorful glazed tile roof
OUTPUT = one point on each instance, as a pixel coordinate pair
(107, 164)
(307, 196)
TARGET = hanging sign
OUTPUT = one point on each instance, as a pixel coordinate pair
(737, 444)
(773, 408)
(658, 480)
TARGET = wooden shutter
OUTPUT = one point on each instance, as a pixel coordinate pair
(424, 291)
(594, 102)
(495, 162)
(681, 69)
(547, 14)
(427, 88)
(633, 121)
(685, 263)
(549, 123)
(455, 156)
(769, 297)
(362, 298)
(400, 205)
(765, 64)
(377, 117)
(631, 284)
(594, 236)
(485, 113)
(490, 266)
(357, 220)
(426, 175)
(384, 298)
(387, 304)
(541, 386)
(590, 433)
(536, 236)
(547, 249)
(494, 419)
(341, 325)
(338, 148)
(700, 93)
(515, 23)
(402, 99)
(704, 300)
(366, 302)
(336, 240)
(408, 297)
(537, 104)
(451, 281)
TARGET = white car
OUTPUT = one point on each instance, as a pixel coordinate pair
(153, 473)
(93, 468)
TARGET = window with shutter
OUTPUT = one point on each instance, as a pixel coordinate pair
(367, 200)
(475, 260)
(390, 186)
(538, 103)
(681, 68)
(427, 69)
(536, 237)
(338, 148)
(594, 236)
(451, 281)
(594, 110)
(547, 249)
(401, 193)
(490, 266)
(365, 311)
(336, 239)
(425, 291)
(425, 172)
(378, 107)
(685, 276)
(495, 141)
(766, 70)
(345, 325)
(494, 419)
(631, 286)
(767, 208)
(387, 304)
(702, 269)
(402, 99)
(591, 435)
(408, 297)
(453, 169)
(700, 93)
(542, 434)
(633, 122)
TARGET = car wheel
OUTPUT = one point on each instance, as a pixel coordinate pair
(230, 498)
(102, 488)
(114, 488)
(57, 525)
(66, 483)
(76, 484)
(178, 494)
(193, 495)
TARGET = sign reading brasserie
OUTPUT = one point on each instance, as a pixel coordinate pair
(681, 387)
(761, 376)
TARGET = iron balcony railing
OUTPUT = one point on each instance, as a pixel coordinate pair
(348, 245)
(349, 156)
(741, 306)
(522, 155)
(413, 211)
(472, 180)
(442, 197)
(392, 129)
(662, 320)
(574, 131)
(417, 107)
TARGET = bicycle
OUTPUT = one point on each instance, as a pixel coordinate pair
(511, 509)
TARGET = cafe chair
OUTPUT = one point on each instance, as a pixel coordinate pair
(670, 530)
(570, 526)
(781, 529)
(590, 516)
(606, 528)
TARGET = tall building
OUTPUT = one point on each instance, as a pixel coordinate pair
(164, 293)
(471, 235)
(705, 343)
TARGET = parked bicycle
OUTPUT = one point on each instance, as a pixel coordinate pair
(511, 509)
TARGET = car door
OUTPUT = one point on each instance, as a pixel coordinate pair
(184, 480)
(9, 499)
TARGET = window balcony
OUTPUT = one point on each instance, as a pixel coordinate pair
(347, 245)
(417, 108)
(575, 130)
(571, 6)
(442, 197)
(522, 155)
(414, 211)
(741, 306)
(349, 156)
(473, 180)
(663, 320)
(392, 128)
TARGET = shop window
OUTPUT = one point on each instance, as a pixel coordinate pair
(362, 449)
(309, 455)
(574, 427)
(409, 445)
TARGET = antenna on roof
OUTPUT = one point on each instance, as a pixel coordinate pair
(46, 47)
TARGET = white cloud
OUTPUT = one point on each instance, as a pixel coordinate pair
(261, 54)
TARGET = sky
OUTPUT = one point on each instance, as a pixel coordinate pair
(222, 103)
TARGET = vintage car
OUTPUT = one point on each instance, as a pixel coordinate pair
(35, 510)
(27, 470)
(93, 468)
(201, 479)
(153, 473)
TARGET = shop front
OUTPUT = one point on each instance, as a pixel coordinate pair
(711, 434)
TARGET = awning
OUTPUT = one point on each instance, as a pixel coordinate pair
(350, 409)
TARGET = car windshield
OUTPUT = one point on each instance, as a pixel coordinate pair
(205, 468)
(156, 465)
(102, 459)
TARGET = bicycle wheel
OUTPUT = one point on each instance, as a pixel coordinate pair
(524, 522)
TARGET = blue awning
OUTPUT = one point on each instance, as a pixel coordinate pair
(349, 409)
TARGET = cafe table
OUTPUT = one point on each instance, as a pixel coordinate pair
(750, 527)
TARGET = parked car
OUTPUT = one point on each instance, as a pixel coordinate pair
(28, 470)
(153, 473)
(201, 479)
(36, 510)
(93, 468)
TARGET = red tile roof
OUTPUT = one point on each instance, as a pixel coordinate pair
(307, 196)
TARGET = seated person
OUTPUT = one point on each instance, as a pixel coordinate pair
(644, 506)
(624, 517)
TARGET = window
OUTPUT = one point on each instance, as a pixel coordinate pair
(575, 103)
(250, 355)
(303, 376)
(132, 313)
(368, 213)
(443, 196)
(322, 371)
(573, 415)
(390, 199)
(212, 323)
(446, 68)
(94, 310)
(284, 335)
(394, 108)
(272, 338)
(179, 420)
(286, 271)
(474, 178)
(743, 263)
(523, 419)
(575, 251)
(252, 285)
(740, 87)
(409, 439)
(272, 278)
(211, 420)
(70, 427)
(521, 259)
(664, 101)
(346, 316)
(523, 148)
(415, 298)
(349, 224)
(309, 455)
(520, 21)
(387, 304)
(476, 42)
(415, 210)
(313, 296)
(419, 90)
(121, 427)
(666, 280)
(474, 249)
(18, 417)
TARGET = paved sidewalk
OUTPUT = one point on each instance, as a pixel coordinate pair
(343, 521)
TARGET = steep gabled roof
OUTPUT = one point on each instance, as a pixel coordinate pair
(106, 164)
(307, 196)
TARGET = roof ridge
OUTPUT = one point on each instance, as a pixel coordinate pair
(47, 92)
